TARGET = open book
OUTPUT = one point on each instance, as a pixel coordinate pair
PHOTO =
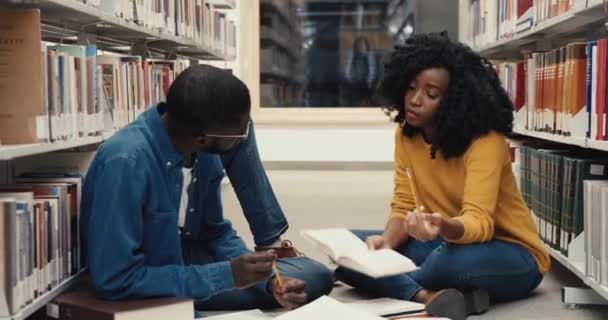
(387, 307)
(348, 251)
(327, 308)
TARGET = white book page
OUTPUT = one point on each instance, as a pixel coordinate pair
(380, 263)
(387, 306)
(243, 315)
(327, 308)
(336, 242)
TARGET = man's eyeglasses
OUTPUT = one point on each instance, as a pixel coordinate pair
(232, 136)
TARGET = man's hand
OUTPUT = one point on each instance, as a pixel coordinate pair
(377, 242)
(291, 294)
(251, 268)
(424, 226)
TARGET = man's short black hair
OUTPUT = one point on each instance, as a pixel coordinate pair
(206, 97)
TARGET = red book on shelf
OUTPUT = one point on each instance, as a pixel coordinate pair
(520, 86)
(601, 88)
(523, 6)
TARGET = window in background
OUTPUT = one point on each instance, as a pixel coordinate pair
(317, 53)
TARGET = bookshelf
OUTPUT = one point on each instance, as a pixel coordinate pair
(572, 25)
(77, 22)
(43, 300)
(548, 26)
(577, 268)
(574, 141)
(10, 152)
(71, 17)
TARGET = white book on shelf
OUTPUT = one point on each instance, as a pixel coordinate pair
(94, 3)
(42, 121)
(127, 10)
(587, 227)
(22, 285)
(112, 7)
(597, 228)
(346, 250)
(531, 93)
(72, 119)
(604, 236)
(581, 4)
(592, 224)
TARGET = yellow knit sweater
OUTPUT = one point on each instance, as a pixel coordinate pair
(477, 188)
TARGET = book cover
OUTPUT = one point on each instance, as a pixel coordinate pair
(78, 305)
(578, 112)
(20, 77)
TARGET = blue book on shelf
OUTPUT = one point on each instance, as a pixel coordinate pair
(62, 98)
(590, 46)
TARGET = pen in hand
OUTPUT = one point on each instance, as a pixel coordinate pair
(278, 276)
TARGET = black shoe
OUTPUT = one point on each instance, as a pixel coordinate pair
(451, 303)
(477, 301)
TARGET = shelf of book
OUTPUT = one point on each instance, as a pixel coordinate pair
(43, 300)
(585, 143)
(572, 23)
(581, 142)
(9, 152)
(578, 269)
(81, 17)
(598, 145)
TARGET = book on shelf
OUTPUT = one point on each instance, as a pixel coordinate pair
(83, 304)
(22, 116)
(596, 218)
(492, 20)
(42, 247)
(565, 188)
(80, 96)
(196, 20)
(346, 250)
(562, 91)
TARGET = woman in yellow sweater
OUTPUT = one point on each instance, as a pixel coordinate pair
(456, 209)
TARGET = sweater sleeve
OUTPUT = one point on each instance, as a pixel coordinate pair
(403, 200)
(484, 163)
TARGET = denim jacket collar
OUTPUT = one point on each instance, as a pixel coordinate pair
(159, 137)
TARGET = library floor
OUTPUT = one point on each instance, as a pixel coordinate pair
(360, 199)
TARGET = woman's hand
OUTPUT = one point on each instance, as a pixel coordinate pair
(377, 242)
(424, 226)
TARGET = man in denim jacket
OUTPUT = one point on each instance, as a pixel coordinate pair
(151, 217)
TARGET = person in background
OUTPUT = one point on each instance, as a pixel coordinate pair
(360, 73)
(456, 210)
(152, 222)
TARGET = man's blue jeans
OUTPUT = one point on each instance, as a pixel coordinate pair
(318, 279)
(248, 178)
(507, 271)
